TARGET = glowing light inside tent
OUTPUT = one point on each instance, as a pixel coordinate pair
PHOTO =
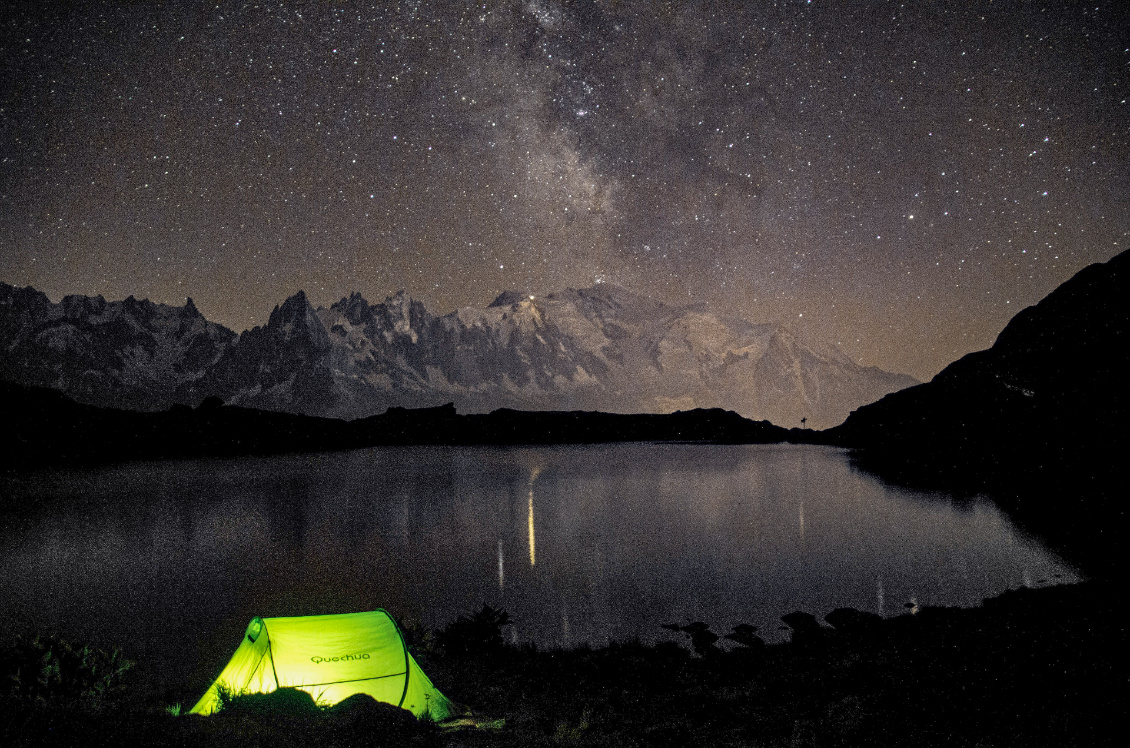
(332, 658)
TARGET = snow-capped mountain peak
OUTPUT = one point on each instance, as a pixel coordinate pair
(598, 348)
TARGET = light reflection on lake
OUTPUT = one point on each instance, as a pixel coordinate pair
(578, 544)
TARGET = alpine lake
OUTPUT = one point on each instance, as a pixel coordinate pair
(579, 544)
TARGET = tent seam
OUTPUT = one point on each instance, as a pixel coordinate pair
(350, 680)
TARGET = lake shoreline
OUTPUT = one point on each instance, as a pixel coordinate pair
(45, 427)
(1030, 666)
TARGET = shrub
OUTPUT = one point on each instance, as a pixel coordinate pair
(281, 701)
(701, 637)
(478, 634)
(50, 671)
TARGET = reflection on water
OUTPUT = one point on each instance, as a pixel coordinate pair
(533, 545)
(624, 538)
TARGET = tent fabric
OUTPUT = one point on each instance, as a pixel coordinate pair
(331, 658)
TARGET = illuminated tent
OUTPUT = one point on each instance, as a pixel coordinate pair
(331, 658)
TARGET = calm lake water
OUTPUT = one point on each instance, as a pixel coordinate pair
(579, 544)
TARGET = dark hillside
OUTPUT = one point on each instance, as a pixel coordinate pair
(1042, 414)
(43, 426)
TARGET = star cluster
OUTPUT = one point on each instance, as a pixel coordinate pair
(899, 178)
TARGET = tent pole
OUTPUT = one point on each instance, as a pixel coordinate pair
(271, 652)
(404, 646)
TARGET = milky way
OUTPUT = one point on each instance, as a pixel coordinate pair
(899, 179)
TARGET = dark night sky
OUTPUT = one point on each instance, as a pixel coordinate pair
(906, 177)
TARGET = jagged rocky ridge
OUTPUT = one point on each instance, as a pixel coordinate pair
(601, 348)
(125, 354)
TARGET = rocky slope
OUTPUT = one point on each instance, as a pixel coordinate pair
(1052, 387)
(126, 354)
(1037, 420)
(601, 348)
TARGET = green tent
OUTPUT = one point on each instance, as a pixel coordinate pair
(331, 658)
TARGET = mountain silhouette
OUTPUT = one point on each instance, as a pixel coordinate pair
(45, 427)
(1039, 418)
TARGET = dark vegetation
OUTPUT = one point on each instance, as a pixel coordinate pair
(48, 672)
(1030, 667)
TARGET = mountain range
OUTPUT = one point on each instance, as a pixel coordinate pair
(601, 348)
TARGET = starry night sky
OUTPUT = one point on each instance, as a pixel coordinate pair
(899, 178)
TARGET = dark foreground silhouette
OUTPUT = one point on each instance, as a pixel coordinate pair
(43, 426)
(1038, 421)
(1030, 667)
